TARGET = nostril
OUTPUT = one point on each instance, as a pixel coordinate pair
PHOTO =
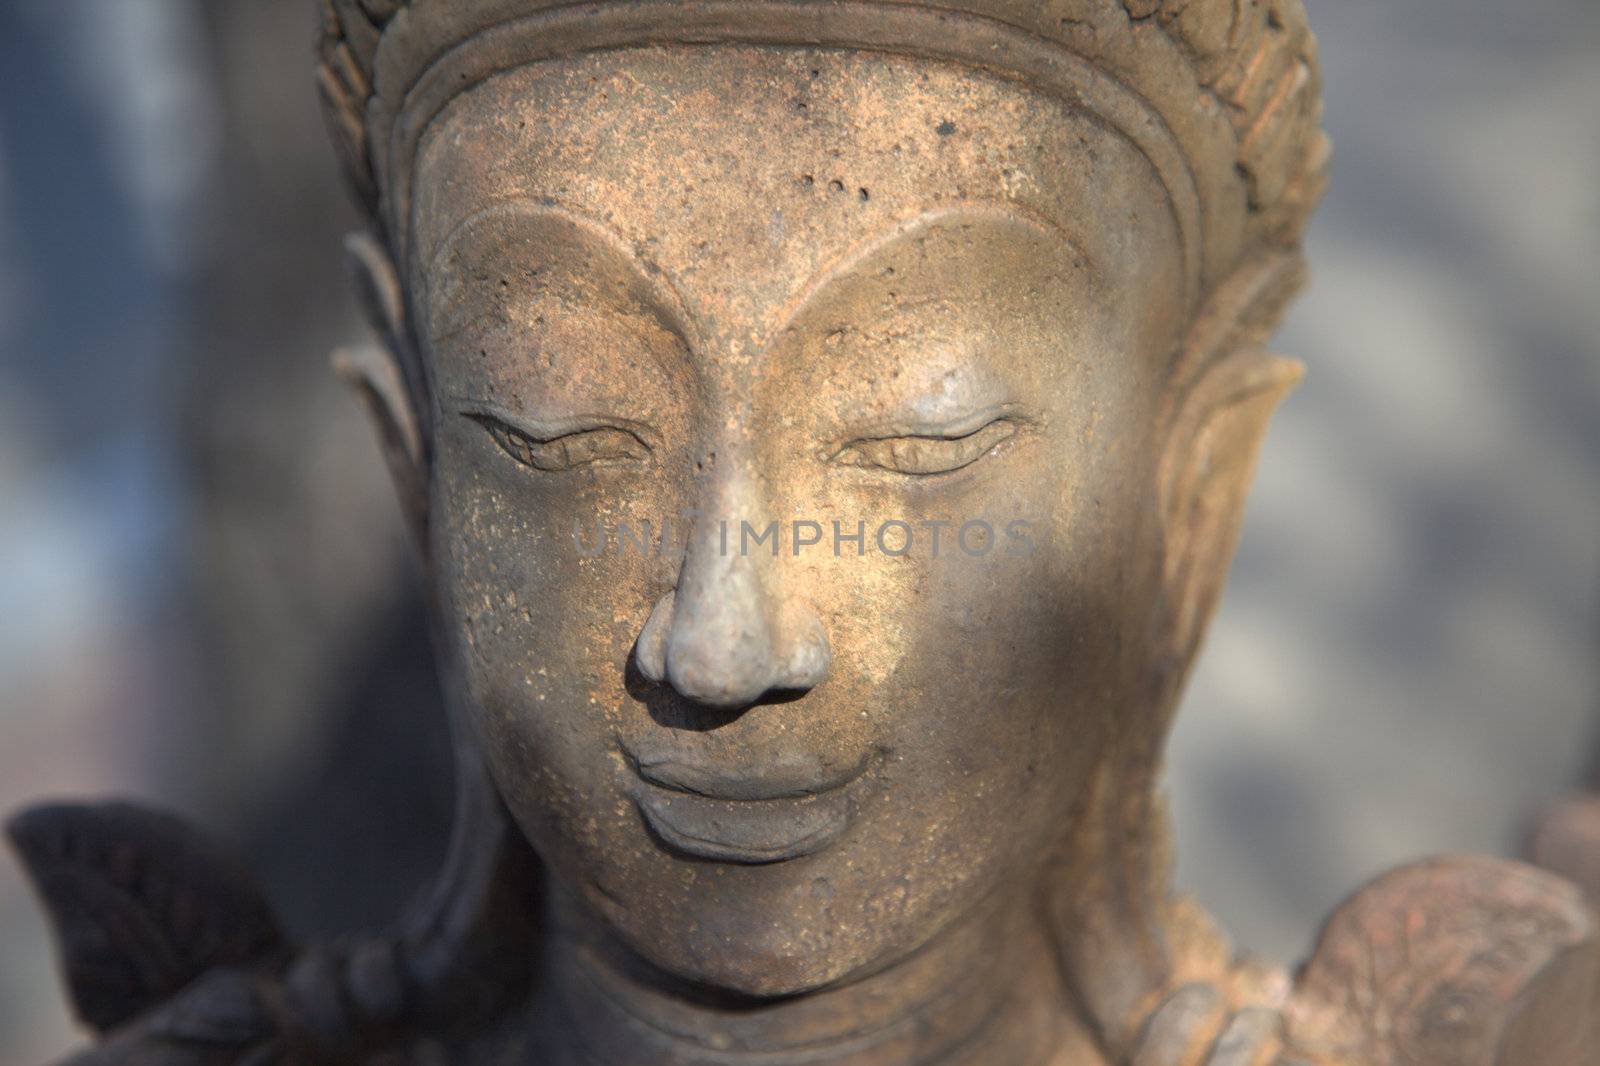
(727, 669)
(671, 709)
(806, 653)
(718, 654)
(650, 650)
(732, 666)
(719, 646)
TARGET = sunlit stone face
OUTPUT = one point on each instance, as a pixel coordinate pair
(714, 289)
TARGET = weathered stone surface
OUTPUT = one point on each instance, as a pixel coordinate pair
(825, 429)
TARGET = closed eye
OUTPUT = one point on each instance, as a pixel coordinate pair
(926, 455)
(554, 451)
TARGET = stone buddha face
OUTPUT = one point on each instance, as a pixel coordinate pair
(856, 363)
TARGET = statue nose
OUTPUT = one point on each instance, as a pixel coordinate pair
(725, 636)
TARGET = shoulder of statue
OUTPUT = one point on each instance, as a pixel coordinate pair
(172, 956)
(1466, 961)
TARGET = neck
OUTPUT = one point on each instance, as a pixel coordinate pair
(986, 990)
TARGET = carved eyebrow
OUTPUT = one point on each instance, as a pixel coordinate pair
(667, 300)
(899, 230)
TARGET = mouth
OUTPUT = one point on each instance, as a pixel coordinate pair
(779, 813)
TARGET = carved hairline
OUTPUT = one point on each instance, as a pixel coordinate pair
(1243, 164)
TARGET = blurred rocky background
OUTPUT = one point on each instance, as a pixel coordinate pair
(204, 595)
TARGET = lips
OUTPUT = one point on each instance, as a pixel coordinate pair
(791, 808)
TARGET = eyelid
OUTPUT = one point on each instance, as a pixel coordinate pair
(545, 430)
(958, 428)
(869, 450)
(556, 446)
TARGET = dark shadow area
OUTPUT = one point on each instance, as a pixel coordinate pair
(365, 828)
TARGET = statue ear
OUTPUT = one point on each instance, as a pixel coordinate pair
(378, 374)
(1225, 390)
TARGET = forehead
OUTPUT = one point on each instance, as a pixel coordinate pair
(742, 173)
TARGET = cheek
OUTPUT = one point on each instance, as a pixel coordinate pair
(1014, 670)
(1011, 669)
(542, 619)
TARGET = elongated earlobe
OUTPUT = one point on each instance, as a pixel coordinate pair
(1226, 389)
(378, 374)
(1206, 477)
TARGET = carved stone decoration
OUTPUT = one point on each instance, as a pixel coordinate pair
(825, 426)
(142, 905)
(1470, 961)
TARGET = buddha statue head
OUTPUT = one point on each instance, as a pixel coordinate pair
(825, 426)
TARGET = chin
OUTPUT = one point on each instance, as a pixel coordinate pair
(758, 973)
(746, 951)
